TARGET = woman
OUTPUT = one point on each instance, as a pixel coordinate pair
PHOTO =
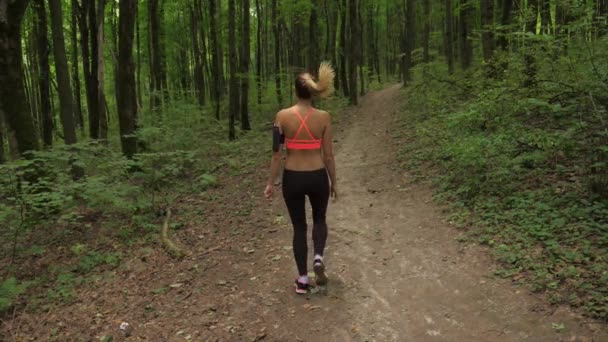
(309, 169)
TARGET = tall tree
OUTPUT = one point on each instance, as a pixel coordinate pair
(487, 33)
(101, 98)
(215, 53)
(313, 37)
(410, 36)
(427, 30)
(277, 51)
(258, 51)
(156, 56)
(195, 21)
(77, 103)
(13, 101)
(46, 112)
(505, 20)
(342, 70)
(234, 83)
(126, 97)
(245, 58)
(449, 37)
(466, 46)
(63, 73)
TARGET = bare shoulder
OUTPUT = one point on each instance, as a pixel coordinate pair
(325, 115)
(280, 115)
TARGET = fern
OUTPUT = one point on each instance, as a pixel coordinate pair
(9, 290)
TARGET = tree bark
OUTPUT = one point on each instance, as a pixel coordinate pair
(63, 74)
(545, 14)
(505, 21)
(353, 50)
(234, 84)
(258, 50)
(2, 135)
(466, 47)
(343, 72)
(198, 67)
(46, 111)
(427, 30)
(410, 36)
(77, 99)
(126, 96)
(101, 100)
(487, 33)
(215, 52)
(156, 81)
(245, 59)
(532, 16)
(12, 98)
(313, 37)
(89, 65)
(277, 51)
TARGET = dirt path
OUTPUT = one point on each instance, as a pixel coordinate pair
(397, 273)
(397, 269)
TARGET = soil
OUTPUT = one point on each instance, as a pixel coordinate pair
(397, 271)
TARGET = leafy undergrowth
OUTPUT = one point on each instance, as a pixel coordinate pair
(71, 214)
(523, 162)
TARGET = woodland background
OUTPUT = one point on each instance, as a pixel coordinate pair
(112, 109)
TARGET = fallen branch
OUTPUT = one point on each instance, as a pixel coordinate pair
(169, 245)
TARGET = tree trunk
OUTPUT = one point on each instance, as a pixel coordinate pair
(138, 65)
(46, 111)
(354, 47)
(487, 33)
(126, 97)
(313, 37)
(2, 137)
(101, 99)
(245, 58)
(156, 54)
(466, 47)
(532, 16)
(277, 51)
(12, 98)
(234, 83)
(63, 74)
(215, 51)
(343, 72)
(545, 14)
(410, 36)
(88, 46)
(258, 51)
(198, 67)
(505, 21)
(427, 30)
(77, 99)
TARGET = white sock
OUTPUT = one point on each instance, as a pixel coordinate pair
(303, 279)
(318, 257)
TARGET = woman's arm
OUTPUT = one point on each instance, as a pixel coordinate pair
(278, 139)
(328, 156)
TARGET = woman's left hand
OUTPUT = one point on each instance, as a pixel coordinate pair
(269, 191)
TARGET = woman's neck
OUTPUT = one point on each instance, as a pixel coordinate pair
(304, 102)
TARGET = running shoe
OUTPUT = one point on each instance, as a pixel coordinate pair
(320, 276)
(301, 288)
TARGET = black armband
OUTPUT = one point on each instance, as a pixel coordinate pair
(278, 139)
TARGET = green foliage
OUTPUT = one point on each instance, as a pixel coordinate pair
(9, 290)
(524, 167)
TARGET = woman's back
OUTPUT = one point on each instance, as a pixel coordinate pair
(294, 122)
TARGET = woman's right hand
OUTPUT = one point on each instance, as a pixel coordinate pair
(334, 192)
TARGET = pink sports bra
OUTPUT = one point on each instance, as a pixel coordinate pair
(303, 144)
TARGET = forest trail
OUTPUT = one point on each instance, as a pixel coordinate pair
(396, 271)
(396, 266)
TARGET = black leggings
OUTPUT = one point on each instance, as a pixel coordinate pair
(296, 185)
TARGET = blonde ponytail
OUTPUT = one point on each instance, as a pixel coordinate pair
(324, 87)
